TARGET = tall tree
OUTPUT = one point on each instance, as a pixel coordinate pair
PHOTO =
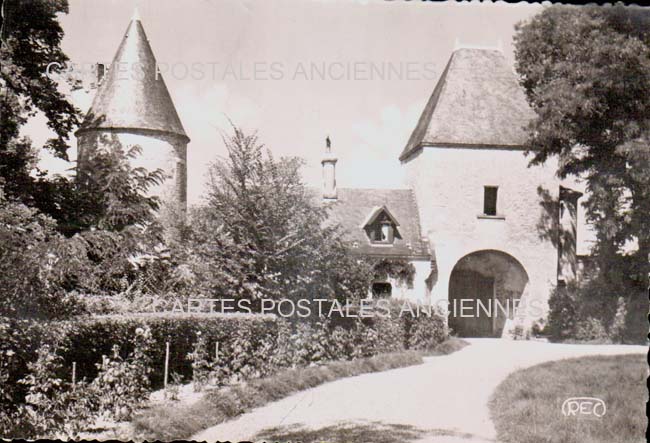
(260, 214)
(30, 36)
(586, 73)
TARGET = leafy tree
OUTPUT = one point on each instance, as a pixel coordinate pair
(105, 211)
(30, 40)
(586, 74)
(114, 193)
(35, 265)
(266, 233)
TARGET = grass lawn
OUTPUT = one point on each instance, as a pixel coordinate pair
(527, 406)
(176, 421)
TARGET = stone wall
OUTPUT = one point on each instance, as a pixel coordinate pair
(159, 151)
(448, 184)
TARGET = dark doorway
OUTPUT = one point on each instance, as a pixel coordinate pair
(487, 284)
(467, 288)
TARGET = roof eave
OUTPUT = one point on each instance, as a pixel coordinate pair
(183, 137)
(407, 155)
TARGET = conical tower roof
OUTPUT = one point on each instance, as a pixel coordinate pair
(132, 95)
(476, 103)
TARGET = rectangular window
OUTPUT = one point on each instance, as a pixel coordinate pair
(490, 200)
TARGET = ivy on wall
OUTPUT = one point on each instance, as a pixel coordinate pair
(399, 269)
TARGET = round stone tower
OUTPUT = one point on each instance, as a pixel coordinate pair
(132, 106)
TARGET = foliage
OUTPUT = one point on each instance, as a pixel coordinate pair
(200, 363)
(123, 385)
(113, 192)
(591, 329)
(40, 269)
(173, 387)
(592, 313)
(250, 346)
(262, 233)
(586, 74)
(35, 264)
(247, 342)
(30, 40)
(563, 305)
(53, 407)
(401, 270)
(18, 346)
(426, 332)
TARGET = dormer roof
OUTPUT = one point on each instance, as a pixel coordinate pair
(375, 213)
(477, 102)
(132, 95)
(355, 208)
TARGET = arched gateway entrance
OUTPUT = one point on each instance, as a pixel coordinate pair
(484, 288)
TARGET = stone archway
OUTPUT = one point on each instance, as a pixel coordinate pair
(484, 288)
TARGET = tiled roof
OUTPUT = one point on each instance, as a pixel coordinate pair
(477, 102)
(131, 95)
(353, 207)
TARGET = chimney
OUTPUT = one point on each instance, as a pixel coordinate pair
(329, 172)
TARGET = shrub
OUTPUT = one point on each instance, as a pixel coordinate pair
(597, 311)
(123, 385)
(426, 332)
(591, 329)
(310, 343)
(247, 342)
(53, 407)
(562, 312)
(390, 334)
(19, 343)
(200, 364)
(34, 263)
(250, 347)
(268, 247)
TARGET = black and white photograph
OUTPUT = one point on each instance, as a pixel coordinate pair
(324, 221)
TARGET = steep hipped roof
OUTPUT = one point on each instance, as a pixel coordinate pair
(131, 95)
(477, 102)
(352, 207)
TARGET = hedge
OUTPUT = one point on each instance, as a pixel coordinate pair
(250, 345)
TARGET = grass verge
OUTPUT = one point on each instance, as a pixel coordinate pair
(449, 346)
(173, 421)
(527, 406)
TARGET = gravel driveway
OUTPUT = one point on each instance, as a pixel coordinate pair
(443, 400)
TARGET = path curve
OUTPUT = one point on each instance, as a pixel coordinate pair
(443, 400)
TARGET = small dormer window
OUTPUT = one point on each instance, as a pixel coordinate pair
(381, 227)
(387, 231)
